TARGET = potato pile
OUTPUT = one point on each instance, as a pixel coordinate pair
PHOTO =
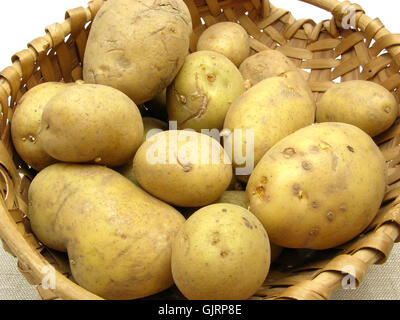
(197, 169)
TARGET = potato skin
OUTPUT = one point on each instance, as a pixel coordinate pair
(239, 198)
(264, 65)
(364, 104)
(138, 47)
(203, 91)
(319, 187)
(274, 108)
(26, 122)
(222, 252)
(227, 38)
(111, 122)
(117, 236)
(185, 178)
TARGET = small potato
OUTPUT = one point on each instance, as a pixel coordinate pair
(268, 112)
(138, 47)
(227, 38)
(364, 104)
(239, 198)
(118, 237)
(88, 123)
(26, 122)
(265, 64)
(319, 187)
(203, 91)
(222, 252)
(183, 168)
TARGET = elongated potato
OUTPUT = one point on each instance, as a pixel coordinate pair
(137, 47)
(118, 237)
(183, 168)
(319, 187)
(88, 123)
(26, 122)
(364, 104)
(262, 116)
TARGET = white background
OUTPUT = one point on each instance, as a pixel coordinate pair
(24, 20)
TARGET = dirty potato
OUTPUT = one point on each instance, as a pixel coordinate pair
(364, 104)
(319, 187)
(118, 237)
(203, 91)
(222, 252)
(183, 168)
(89, 123)
(227, 38)
(137, 47)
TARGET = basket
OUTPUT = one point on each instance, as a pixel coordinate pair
(327, 51)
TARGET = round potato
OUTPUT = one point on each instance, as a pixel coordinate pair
(118, 237)
(364, 104)
(239, 198)
(262, 116)
(183, 168)
(138, 47)
(203, 91)
(227, 38)
(222, 252)
(26, 122)
(319, 187)
(91, 124)
(264, 65)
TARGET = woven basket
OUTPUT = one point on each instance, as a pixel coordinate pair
(329, 53)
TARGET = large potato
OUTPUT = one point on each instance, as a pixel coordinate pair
(26, 122)
(222, 252)
(270, 111)
(203, 91)
(118, 237)
(264, 65)
(227, 38)
(137, 47)
(319, 187)
(183, 168)
(91, 123)
(364, 104)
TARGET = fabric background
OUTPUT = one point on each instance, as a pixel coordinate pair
(380, 283)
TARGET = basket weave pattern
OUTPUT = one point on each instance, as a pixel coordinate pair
(326, 51)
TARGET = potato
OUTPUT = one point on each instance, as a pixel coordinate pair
(319, 187)
(149, 124)
(222, 252)
(118, 237)
(264, 65)
(364, 104)
(91, 123)
(239, 198)
(137, 47)
(269, 111)
(183, 168)
(203, 91)
(227, 38)
(26, 122)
